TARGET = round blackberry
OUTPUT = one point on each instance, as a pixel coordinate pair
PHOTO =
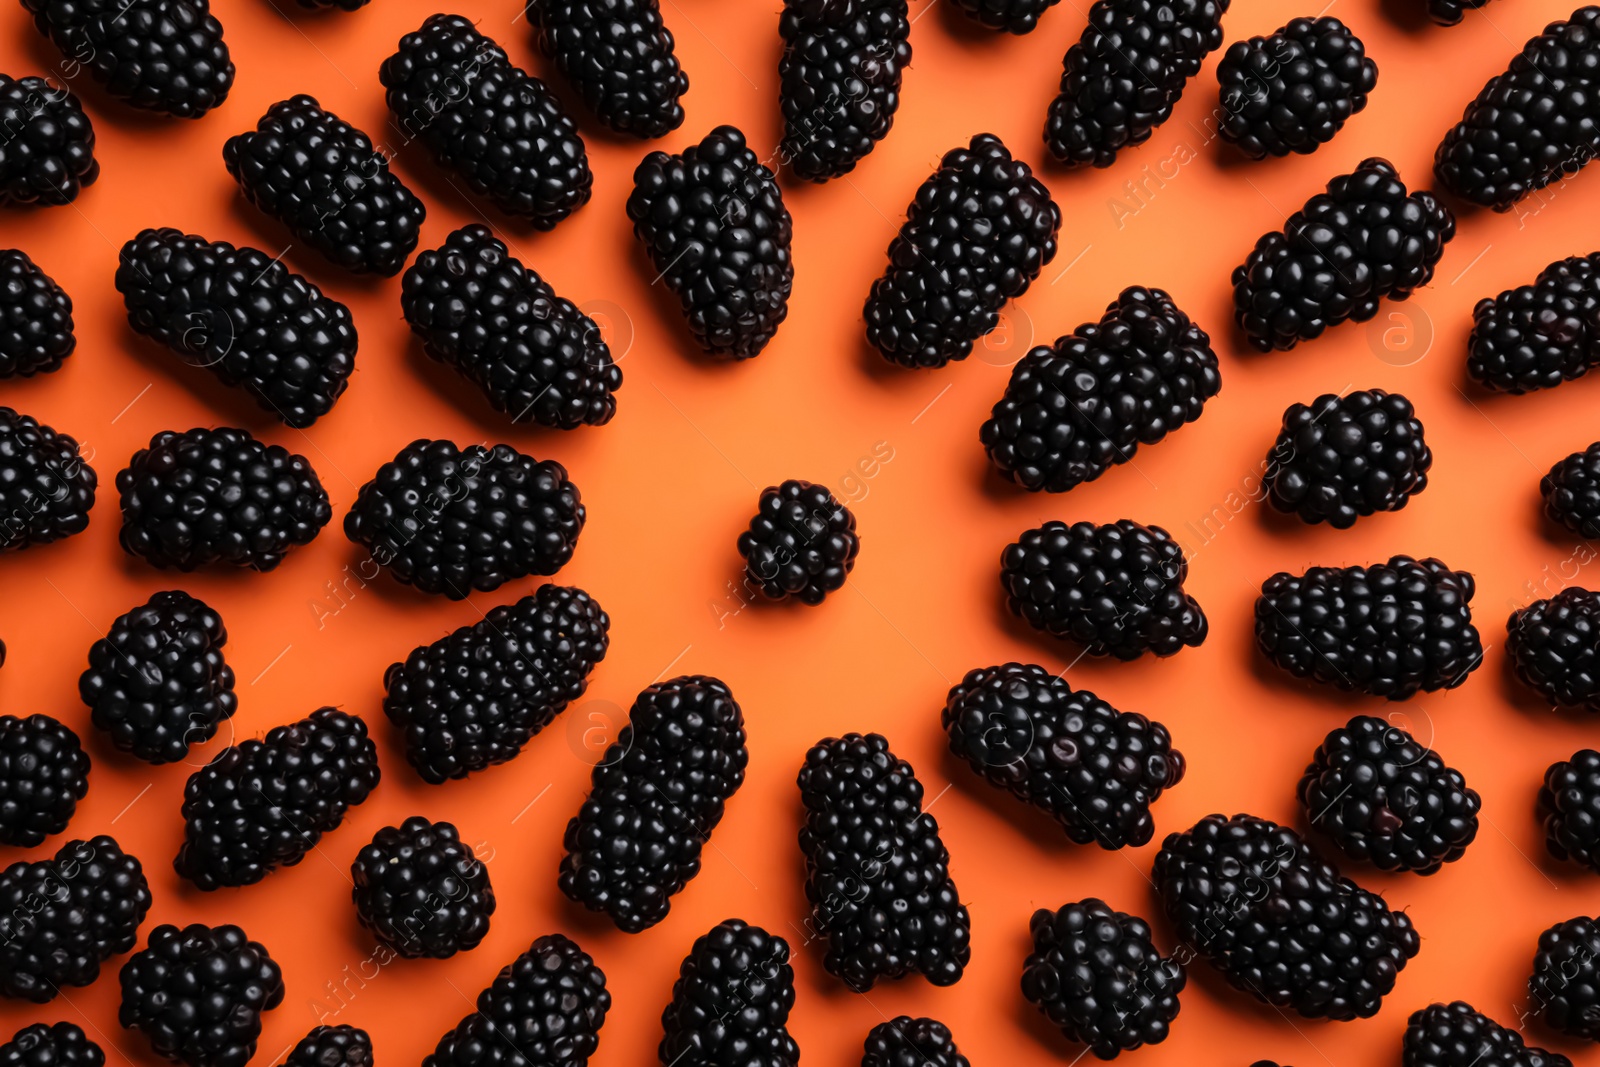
(46, 487)
(198, 994)
(218, 496)
(1456, 1035)
(714, 224)
(532, 353)
(1554, 646)
(620, 58)
(1013, 16)
(1364, 240)
(654, 799)
(1095, 972)
(1342, 457)
(44, 772)
(1565, 985)
(1293, 90)
(264, 804)
(1073, 411)
(877, 873)
(977, 233)
(474, 698)
(47, 156)
(332, 1046)
(908, 1042)
(1450, 12)
(1538, 336)
(1571, 492)
(51, 1045)
(733, 995)
(35, 318)
(801, 542)
(1569, 803)
(421, 891)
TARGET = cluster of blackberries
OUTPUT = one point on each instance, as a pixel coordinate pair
(731, 1001)
(1538, 336)
(908, 1042)
(1292, 91)
(421, 890)
(1342, 457)
(619, 56)
(801, 542)
(1554, 645)
(1458, 1035)
(1569, 802)
(44, 772)
(46, 487)
(1571, 492)
(35, 317)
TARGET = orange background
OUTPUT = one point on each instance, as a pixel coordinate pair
(671, 482)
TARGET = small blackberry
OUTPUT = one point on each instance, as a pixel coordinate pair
(1013, 16)
(1554, 645)
(1538, 336)
(654, 799)
(501, 130)
(1450, 12)
(801, 542)
(1564, 988)
(1095, 973)
(218, 496)
(474, 698)
(877, 873)
(323, 179)
(332, 1046)
(1571, 493)
(1293, 90)
(908, 1042)
(977, 233)
(1342, 457)
(1074, 410)
(46, 487)
(1456, 1035)
(733, 995)
(620, 58)
(1569, 803)
(714, 224)
(421, 890)
(455, 520)
(44, 772)
(35, 318)
(47, 157)
(51, 1045)
(535, 355)
(264, 804)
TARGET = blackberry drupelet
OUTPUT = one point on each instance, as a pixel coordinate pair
(36, 332)
(47, 157)
(1457, 1035)
(1293, 90)
(908, 1042)
(44, 772)
(198, 994)
(46, 487)
(332, 1046)
(323, 179)
(1569, 804)
(218, 496)
(1571, 492)
(977, 233)
(1538, 336)
(535, 355)
(714, 224)
(1278, 921)
(472, 699)
(1554, 645)
(1095, 972)
(839, 81)
(454, 520)
(877, 873)
(264, 804)
(1013, 16)
(51, 1045)
(733, 995)
(654, 799)
(1342, 457)
(1564, 989)
(1451, 12)
(620, 58)
(421, 890)
(801, 542)
(1074, 410)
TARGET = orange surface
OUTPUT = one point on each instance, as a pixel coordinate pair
(672, 480)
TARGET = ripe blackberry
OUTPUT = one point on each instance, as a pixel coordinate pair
(46, 488)
(472, 699)
(421, 890)
(35, 318)
(535, 355)
(501, 130)
(908, 1042)
(198, 994)
(620, 58)
(451, 520)
(1565, 985)
(1293, 90)
(1571, 492)
(654, 799)
(1538, 336)
(44, 772)
(218, 496)
(332, 1046)
(1554, 645)
(1013, 16)
(65, 916)
(801, 542)
(51, 1045)
(545, 1007)
(839, 81)
(1095, 972)
(1569, 803)
(1450, 12)
(47, 156)
(1278, 921)
(877, 873)
(977, 233)
(714, 224)
(1342, 457)
(1073, 411)
(1456, 1035)
(733, 995)
(1123, 76)
(322, 178)
(265, 804)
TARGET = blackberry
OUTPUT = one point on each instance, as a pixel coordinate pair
(877, 873)
(535, 355)
(46, 487)
(332, 1046)
(1342, 457)
(545, 1007)
(451, 520)
(65, 916)
(218, 496)
(1074, 410)
(1571, 493)
(242, 315)
(1569, 804)
(1554, 645)
(421, 890)
(44, 772)
(654, 799)
(1563, 986)
(620, 58)
(801, 542)
(198, 994)
(51, 1045)
(265, 804)
(1456, 1035)
(1092, 768)
(839, 81)
(713, 221)
(1095, 973)
(908, 1042)
(1124, 75)
(1293, 90)
(977, 233)
(733, 995)
(323, 179)
(47, 157)
(474, 698)
(501, 130)
(1013, 16)
(1538, 336)
(1450, 12)
(35, 318)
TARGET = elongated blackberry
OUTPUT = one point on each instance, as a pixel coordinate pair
(47, 156)
(534, 354)
(1564, 989)
(44, 772)
(1569, 803)
(1342, 457)
(474, 698)
(322, 178)
(620, 58)
(332, 1046)
(733, 995)
(35, 318)
(1571, 492)
(51, 1045)
(908, 1042)
(1554, 645)
(654, 799)
(265, 804)
(801, 542)
(1074, 410)
(46, 487)
(1457, 1035)
(1013, 16)
(421, 890)
(1538, 336)
(977, 233)
(1293, 90)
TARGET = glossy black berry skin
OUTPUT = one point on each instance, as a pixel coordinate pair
(44, 772)
(1339, 458)
(36, 329)
(1571, 492)
(1554, 645)
(420, 890)
(1451, 12)
(1538, 336)
(47, 157)
(619, 56)
(908, 1042)
(1458, 1035)
(51, 1045)
(1564, 988)
(332, 1046)
(801, 542)
(46, 487)
(1293, 90)
(1569, 804)
(731, 1002)
(1013, 16)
